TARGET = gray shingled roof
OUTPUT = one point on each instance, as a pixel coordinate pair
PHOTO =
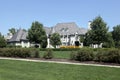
(82, 31)
(68, 28)
(20, 35)
(47, 30)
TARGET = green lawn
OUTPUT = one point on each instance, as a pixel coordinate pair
(22, 70)
(59, 54)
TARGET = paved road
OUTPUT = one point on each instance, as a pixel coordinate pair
(57, 62)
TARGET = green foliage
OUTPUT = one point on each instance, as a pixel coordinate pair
(61, 49)
(98, 32)
(14, 52)
(18, 52)
(12, 30)
(10, 46)
(48, 54)
(83, 55)
(36, 34)
(58, 54)
(117, 44)
(110, 55)
(116, 35)
(88, 40)
(109, 43)
(44, 41)
(101, 55)
(55, 39)
(3, 42)
(36, 54)
(17, 70)
(73, 55)
(81, 39)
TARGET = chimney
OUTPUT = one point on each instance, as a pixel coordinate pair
(89, 25)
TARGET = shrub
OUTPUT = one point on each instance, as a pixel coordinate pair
(114, 56)
(110, 55)
(83, 55)
(36, 54)
(101, 55)
(73, 55)
(19, 52)
(48, 54)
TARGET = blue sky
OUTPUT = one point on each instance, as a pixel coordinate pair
(21, 13)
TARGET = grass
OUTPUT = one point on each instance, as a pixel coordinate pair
(22, 70)
(59, 54)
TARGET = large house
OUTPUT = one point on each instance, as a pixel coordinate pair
(69, 32)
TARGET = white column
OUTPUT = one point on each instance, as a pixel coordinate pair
(22, 44)
(28, 44)
(48, 41)
(81, 44)
(67, 40)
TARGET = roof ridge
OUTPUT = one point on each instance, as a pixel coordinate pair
(66, 23)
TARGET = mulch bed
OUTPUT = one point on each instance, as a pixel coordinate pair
(73, 61)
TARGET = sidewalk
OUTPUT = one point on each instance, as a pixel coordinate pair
(57, 62)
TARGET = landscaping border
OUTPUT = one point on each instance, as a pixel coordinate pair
(60, 62)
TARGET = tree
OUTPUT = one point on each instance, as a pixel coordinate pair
(109, 43)
(3, 42)
(116, 35)
(81, 39)
(24, 30)
(37, 34)
(87, 40)
(98, 32)
(12, 30)
(55, 39)
(44, 41)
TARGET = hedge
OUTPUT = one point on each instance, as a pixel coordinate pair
(48, 54)
(19, 52)
(83, 55)
(110, 55)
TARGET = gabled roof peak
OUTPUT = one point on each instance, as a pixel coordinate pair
(66, 23)
(19, 35)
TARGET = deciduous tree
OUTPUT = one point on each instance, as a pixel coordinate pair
(98, 32)
(37, 34)
(55, 39)
(116, 35)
